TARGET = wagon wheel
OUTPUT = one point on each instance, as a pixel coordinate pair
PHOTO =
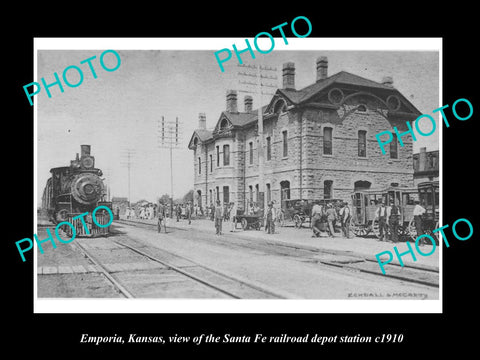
(351, 227)
(359, 229)
(402, 231)
(244, 224)
(411, 230)
(298, 221)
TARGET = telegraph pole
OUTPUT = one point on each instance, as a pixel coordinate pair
(169, 134)
(127, 155)
(261, 72)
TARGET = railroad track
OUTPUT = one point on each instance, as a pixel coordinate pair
(346, 260)
(209, 282)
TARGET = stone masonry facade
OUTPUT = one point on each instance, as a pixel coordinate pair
(319, 142)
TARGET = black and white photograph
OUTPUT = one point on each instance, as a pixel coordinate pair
(227, 180)
(303, 174)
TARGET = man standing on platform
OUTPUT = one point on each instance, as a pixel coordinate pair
(270, 218)
(218, 215)
(393, 221)
(418, 212)
(317, 212)
(233, 216)
(345, 219)
(381, 215)
(331, 217)
(162, 218)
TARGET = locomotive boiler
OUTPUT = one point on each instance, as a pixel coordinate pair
(76, 189)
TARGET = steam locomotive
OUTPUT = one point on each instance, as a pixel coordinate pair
(76, 189)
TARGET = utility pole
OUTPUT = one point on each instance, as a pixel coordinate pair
(260, 73)
(127, 154)
(169, 134)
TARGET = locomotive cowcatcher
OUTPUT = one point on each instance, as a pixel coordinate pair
(76, 189)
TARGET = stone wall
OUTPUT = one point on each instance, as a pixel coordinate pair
(306, 167)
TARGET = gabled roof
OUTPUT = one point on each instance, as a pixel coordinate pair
(342, 77)
(239, 119)
(202, 134)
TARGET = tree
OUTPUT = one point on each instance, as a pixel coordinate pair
(164, 199)
(188, 196)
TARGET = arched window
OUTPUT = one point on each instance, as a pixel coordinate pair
(223, 124)
(361, 185)
(327, 189)
(284, 191)
(280, 106)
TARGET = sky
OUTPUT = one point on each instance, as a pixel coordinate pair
(122, 109)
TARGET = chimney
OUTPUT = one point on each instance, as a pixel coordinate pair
(84, 150)
(232, 101)
(289, 75)
(248, 101)
(387, 81)
(422, 159)
(322, 68)
(202, 121)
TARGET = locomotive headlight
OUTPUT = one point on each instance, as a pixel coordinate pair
(88, 189)
(87, 162)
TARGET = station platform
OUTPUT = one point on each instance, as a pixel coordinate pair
(289, 236)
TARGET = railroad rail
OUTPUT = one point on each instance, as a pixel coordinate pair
(213, 279)
(346, 260)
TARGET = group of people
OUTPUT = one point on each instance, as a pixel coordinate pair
(184, 211)
(324, 218)
(147, 211)
(220, 213)
(389, 220)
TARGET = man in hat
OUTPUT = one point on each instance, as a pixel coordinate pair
(218, 216)
(331, 217)
(233, 216)
(269, 219)
(161, 218)
(393, 220)
(344, 213)
(381, 215)
(317, 212)
(418, 212)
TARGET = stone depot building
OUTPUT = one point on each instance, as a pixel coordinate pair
(319, 141)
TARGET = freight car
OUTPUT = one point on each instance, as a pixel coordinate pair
(76, 189)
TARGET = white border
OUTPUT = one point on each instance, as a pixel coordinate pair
(43, 305)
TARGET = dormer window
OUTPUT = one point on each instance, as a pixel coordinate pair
(280, 106)
(224, 124)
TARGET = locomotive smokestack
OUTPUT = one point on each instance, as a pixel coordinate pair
(85, 150)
